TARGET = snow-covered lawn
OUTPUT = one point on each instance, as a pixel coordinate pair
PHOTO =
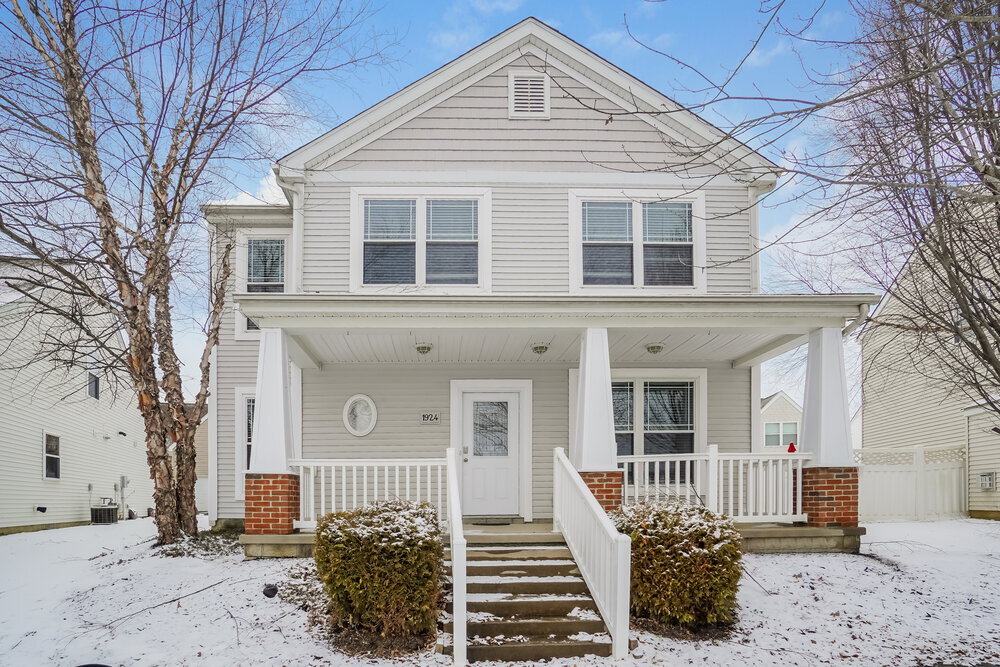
(76, 596)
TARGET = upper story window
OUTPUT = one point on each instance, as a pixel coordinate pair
(261, 268)
(629, 243)
(93, 385)
(432, 242)
(780, 434)
(527, 94)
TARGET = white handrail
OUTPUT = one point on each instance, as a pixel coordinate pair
(458, 564)
(602, 554)
(332, 485)
(743, 486)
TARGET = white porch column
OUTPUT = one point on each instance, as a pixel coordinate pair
(826, 431)
(594, 447)
(272, 420)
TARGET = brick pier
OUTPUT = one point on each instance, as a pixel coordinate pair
(606, 487)
(272, 503)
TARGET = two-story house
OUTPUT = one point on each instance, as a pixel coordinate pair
(491, 261)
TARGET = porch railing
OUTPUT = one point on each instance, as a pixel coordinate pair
(746, 487)
(601, 552)
(456, 534)
(334, 485)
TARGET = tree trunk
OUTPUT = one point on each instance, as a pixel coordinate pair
(187, 510)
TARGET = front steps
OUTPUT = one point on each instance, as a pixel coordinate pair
(526, 598)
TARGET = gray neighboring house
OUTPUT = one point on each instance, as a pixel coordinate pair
(67, 442)
(781, 418)
(902, 408)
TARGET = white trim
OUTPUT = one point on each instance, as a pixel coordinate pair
(637, 197)
(514, 74)
(242, 236)
(213, 437)
(780, 394)
(781, 434)
(240, 396)
(520, 38)
(756, 427)
(486, 177)
(697, 375)
(524, 390)
(484, 239)
(360, 433)
(294, 269)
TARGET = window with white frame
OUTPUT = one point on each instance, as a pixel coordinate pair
(636, 243)
(53, 458)
(424, 241)
(250, 403)
(654, 417)
(780, 434)
(265, 268)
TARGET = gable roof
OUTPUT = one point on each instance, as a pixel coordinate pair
(766, 402)
(530, 36)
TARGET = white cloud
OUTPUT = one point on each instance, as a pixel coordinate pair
(761, 58)
(620, 41)
(267, 192)
(491, 6)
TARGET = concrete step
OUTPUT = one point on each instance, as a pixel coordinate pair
(523, 585)
(535, 650)
(502, 552)
(524, 568)
(528, 606)
(514, 538)
(560, 626)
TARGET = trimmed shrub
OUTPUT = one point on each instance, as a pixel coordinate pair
(685, 563)
(381, 566)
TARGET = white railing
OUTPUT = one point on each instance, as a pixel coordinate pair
(745, 487)
(602, 554)
(334, 485)
(456, 533)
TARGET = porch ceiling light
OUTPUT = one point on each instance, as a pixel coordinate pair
(539, 348)
(424, 348)
(654, 348)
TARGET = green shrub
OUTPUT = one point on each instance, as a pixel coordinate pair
(685, 563)
(381, 566)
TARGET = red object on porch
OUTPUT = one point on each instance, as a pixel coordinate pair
(791, 448)
(272, 503)
(830, 496)
(606, 487)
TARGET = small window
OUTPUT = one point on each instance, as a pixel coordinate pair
(251, 404)
(528, 94)
(93, 385)
(360, 415)
(265, 269)
(52, 457)
(780, 434)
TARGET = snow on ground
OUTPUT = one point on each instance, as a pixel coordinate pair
(922, 593)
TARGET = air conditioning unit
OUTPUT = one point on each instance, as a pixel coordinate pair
(988, 481)
(105, 513)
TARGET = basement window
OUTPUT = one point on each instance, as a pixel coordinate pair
(527, 94)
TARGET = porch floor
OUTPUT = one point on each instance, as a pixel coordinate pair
(757, 538)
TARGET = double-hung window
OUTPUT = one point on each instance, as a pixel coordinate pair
(52, 457)
(634, 243)
(654, 417)
(249, 404)
(265, 268)
(432, 241)
(780, 434)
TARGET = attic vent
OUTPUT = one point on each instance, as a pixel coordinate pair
(527, 94)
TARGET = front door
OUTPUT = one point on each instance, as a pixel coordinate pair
(490, 463)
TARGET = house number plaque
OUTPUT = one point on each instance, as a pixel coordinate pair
(428, 417)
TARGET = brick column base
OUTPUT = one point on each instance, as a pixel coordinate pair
(830, 496)
(272, 503)
(606, 487)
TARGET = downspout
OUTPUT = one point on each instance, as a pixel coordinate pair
(863, 310)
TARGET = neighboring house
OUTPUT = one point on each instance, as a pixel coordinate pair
(67, 440)
(782, 421)
(903, 408)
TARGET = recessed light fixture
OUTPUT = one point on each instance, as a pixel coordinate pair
(424, 348)
(654, 348)
(539, 348)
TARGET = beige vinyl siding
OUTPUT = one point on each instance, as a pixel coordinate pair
(984, 456)
(900, 406)
(729, 408)
(37, 398)
(781, 410)
(470, 129)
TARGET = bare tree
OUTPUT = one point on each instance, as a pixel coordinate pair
(116, 121)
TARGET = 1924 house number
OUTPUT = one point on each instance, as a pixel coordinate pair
(430, 417)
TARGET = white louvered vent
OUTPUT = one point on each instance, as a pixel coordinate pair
(527, 94)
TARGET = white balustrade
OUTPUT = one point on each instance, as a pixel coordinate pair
(602, 554)
(334, 485)
(745, 487)
(456, 533)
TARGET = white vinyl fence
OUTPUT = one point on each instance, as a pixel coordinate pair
(911, 484)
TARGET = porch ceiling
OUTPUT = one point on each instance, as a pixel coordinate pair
(626, 347)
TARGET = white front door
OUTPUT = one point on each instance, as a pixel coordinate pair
(490, 453)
